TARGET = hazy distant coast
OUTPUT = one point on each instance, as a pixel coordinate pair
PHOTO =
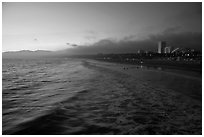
(26, 54)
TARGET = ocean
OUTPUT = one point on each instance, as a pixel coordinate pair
(77, 96)
(33, 87)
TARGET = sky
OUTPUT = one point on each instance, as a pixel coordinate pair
(57, 26)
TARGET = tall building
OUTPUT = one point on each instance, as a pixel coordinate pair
(161, 46)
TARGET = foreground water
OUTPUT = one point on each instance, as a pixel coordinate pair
(70, 96)
(32, 87)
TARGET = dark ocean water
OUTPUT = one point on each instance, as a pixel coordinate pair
(72, 96)
(31, 88)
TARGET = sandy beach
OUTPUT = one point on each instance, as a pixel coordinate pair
(125, 99)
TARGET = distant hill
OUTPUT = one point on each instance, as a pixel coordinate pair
(26, 54)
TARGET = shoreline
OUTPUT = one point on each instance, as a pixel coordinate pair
(189, 83)
(183, 66)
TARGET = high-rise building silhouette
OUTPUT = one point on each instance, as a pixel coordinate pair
(161, 46)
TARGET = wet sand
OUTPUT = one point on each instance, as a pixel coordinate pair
(166, 64)
(124, 99)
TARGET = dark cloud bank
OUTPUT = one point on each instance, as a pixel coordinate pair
(127, 45)
(175, 39)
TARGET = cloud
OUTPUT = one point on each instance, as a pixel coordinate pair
(180, 39)
(73, 45)
(173, 37)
